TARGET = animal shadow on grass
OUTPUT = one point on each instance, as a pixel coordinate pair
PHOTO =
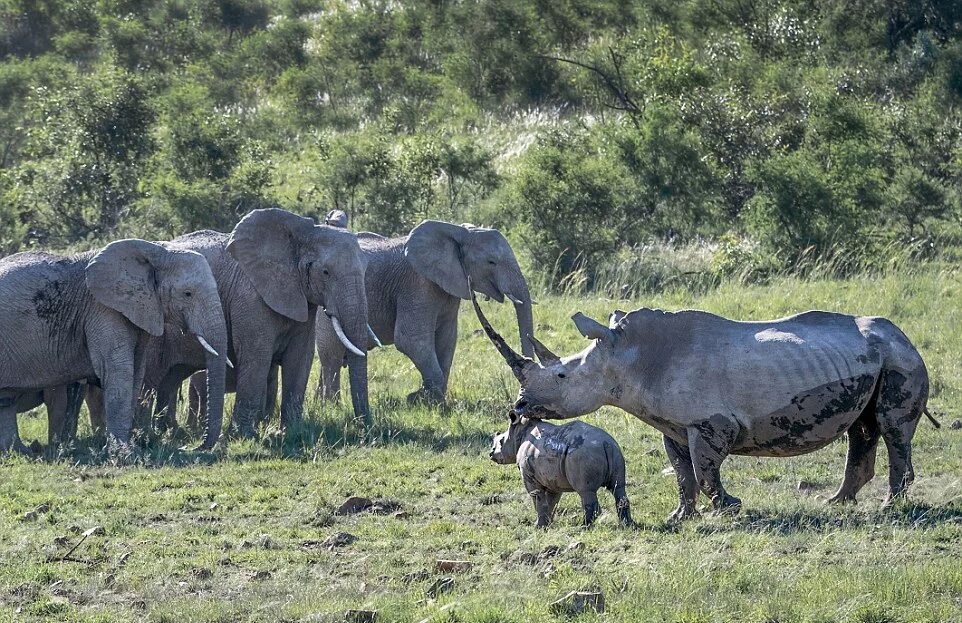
(906, 514)
(324, 428)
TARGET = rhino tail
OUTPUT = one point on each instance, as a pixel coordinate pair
(931, 417)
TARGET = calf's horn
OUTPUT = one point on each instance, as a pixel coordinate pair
(514, 360)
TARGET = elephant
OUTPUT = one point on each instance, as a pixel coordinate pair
(63, 409)
(273, 272)
(89, 318)
(415, 285)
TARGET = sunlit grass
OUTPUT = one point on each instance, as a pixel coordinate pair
(198, 529)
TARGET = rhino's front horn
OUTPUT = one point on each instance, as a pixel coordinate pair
(516, 361)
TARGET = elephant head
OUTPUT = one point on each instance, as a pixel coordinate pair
(160, 289)
(451, 256)
(294, 263)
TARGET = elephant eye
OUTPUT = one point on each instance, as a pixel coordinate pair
(561, 375)
(325, 272)
(492, 262)
(188, 294)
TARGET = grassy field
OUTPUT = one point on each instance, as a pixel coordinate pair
(238, 536)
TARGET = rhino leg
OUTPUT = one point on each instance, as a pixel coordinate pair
(623, 506)
(863, 439)
(709, 442)
(900, 403)
(544, 504)
(589, 502)
(680, 460)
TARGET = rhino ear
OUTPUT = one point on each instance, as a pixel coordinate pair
(591, 329)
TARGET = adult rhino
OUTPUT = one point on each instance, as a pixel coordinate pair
(715, 387)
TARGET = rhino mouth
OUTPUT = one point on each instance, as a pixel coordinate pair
(523, 408)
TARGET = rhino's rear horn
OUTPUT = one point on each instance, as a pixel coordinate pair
(516, 361)
(545, 356)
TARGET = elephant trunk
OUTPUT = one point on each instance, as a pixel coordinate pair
(351, 311)
(516, 290)
(212, 330)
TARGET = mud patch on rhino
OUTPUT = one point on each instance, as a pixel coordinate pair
(812, 419)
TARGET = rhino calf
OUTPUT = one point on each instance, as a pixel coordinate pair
(556, 459)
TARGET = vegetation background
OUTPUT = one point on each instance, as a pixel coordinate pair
(749, 157)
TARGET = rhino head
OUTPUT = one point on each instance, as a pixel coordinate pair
(564, 387)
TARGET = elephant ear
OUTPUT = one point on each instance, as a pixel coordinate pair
(434, 250)
(123, 277)
(265, 243)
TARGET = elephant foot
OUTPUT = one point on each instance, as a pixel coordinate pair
(682, 513)
(891, 500)
(726, 505)
(17, 447)
(426, 397)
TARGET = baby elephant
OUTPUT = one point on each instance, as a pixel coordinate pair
(554, 459)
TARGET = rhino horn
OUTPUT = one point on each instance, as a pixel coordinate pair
(516, 361)
(545, 356)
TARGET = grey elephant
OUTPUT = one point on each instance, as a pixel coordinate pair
(715, 387)
(415, 285)
(90, 316)
(62, 404)
(557, 459)
(273, 272)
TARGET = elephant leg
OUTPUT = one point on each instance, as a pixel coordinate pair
(252, 375)
(445, 343)
(680, 460)
(55, 399)
(270, 398)
(9, 433)
(97, 411)
(330, 354)
(863, 439)
(296, 367)
(417, 342)
(709, 442)
(196, 400)
(165, 407)
(115, 369)
(75, 399)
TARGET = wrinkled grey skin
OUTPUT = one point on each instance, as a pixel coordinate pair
(89, 318)
(63, 404)
(273, 272)
(715, 387)
(415, 285)
(557, 459)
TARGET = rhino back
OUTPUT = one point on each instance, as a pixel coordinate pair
(686, 366)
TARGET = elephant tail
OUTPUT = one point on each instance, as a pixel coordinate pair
(931, 417)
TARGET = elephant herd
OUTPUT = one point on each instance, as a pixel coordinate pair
(127, 324)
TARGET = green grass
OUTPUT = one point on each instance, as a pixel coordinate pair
(168, 554)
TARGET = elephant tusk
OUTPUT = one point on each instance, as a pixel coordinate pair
(514, 300)
(373, 336)
(207, 346)
(341, 336)
(230, 364)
